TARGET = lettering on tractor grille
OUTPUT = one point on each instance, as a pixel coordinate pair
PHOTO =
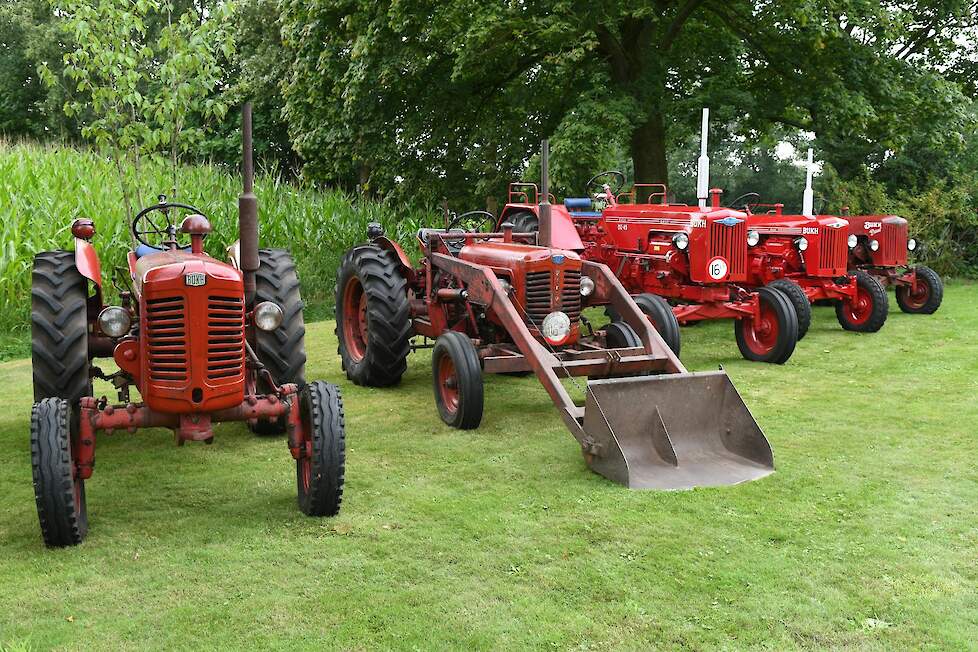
(225, 338)
(541, 287)
(730, 242)
(834, 252)
(166, 336)
(894, 242)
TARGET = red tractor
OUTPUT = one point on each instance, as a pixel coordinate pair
(880, 245)
(201, 340)
(494, 302)
(806, 257)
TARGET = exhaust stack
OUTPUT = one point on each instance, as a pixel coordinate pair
(808, 199)
(546, 224)
(703, 164)
(248, 210)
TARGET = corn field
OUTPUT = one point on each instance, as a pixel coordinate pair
(44, 188)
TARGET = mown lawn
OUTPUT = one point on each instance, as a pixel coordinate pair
(866, 537)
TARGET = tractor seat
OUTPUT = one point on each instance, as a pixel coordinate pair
(145, 250)
(454, 246)
(580, 207)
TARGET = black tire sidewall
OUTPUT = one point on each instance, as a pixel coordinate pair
(62, 521)
(663, 319)
(468, 372)
(881, 305)
(787, 329)
(934, 299)
(322, 413)
(799, 300)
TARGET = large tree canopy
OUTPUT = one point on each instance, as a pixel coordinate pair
(451, 97)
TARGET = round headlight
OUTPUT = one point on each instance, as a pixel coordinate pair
(507, 286)
(801, 243)
(587, 286)
(681, 240)
(268, 316)
(114, 321)
(911, 244)
(853, 241)
(556, 328)
(753, 237)
(874, 245)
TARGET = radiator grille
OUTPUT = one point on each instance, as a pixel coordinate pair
(730, 242)
(538, 296)
(834, 254)
(225, 337)
(166, 334)
(893, 246)
(570, 296)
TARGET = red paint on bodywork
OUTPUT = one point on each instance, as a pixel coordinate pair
(87, 262)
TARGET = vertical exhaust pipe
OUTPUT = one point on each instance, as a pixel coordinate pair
(248, 210)
(703, 164)
(808, 199)
(546, 224)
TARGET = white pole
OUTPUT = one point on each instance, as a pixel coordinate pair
(808, 199)
(703, 165)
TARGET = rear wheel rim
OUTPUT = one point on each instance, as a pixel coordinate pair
(860, 309)
(305, 473)
(355, 319)
(448, 384)
(761, 335)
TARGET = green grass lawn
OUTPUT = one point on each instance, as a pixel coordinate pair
(866, 537)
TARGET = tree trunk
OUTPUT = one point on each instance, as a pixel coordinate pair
(649, 150)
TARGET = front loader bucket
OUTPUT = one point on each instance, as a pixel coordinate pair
(674, 431)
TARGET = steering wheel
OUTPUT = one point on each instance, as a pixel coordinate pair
(614, 179)
(748, 205)
(470, 223)
(147, 222)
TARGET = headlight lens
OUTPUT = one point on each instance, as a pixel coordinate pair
(801, 243)
(753, 237)
(556, 328)
(853, 241)
(874, 245)
(268, 316)
(507, 286)
(912, 244)
(681, 240)
(114, 321)
(587, 286)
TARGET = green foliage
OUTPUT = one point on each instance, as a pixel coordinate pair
(141, 84)
(42, 189)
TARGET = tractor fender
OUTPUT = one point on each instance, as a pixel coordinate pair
(563, 233)
(87, 262)
(403, 261)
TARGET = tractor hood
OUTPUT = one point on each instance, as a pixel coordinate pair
(510, 255)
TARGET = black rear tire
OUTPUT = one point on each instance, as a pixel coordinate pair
(374, 340)
(663, 319)
(457, 376)
(798, 298)
(778, 346)
(868, 312)
(59, 328)
(523, 222)
(320, 479)
(61, 507)
(282, 351)
(928, 299)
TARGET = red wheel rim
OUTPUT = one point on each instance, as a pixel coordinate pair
(761, 335)
(859, 310)
(916, 300)
(448, 384)
(355, 319)
(305, 473)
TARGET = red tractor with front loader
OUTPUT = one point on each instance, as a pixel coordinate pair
(201, 340)
(806, 256)
(693, 256)
(495, 301)
(880, 245)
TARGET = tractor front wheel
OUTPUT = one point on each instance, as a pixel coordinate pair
(320, 477)
(867, 311)
(772, 336)
(58, 491)
(798, 299)
(457, 375)
(373, 317)
(282, 351)
(927, 299)
(663, 319)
